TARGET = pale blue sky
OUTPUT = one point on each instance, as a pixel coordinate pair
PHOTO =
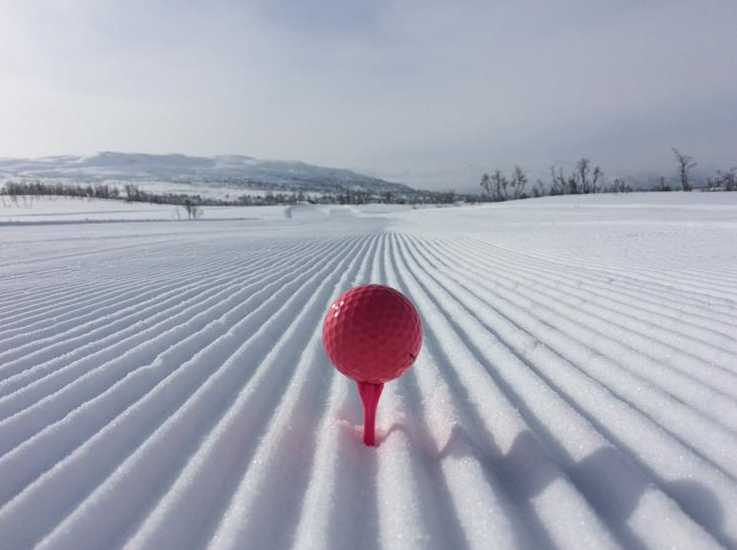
(423, 91)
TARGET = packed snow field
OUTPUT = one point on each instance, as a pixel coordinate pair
(163, 385)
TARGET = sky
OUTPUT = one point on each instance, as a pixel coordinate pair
(427, 92)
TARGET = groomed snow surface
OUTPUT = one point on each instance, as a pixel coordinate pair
(163, 385)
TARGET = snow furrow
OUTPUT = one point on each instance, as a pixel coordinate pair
(77, 291)
(206, 470)
(538, 392)
(692, 288)
(531, 478)
(138, 366)
(185, 386)
(140, 347)
(142, 316)
(663, 311)
(454, 462)
(705, 436)
(673, 345)
(80, 320)
(163, 385)
(703, 387)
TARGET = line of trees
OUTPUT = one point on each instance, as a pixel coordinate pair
(500, 188)
(97, 191)
(585, 179)
(582, 180)
(134, 193)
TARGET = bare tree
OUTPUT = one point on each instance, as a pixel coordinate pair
(726, 180)
(583, 180)
(486, 184)
(500, 183)
(193, 211)
(518, 182)
(539, 189)
(132, 193)
(685, 164)
(621, 186)
(558, 184)
(581, 175)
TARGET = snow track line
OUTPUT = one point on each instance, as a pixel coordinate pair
(44, 257)
(614, 315)
(517, 527)
(667, 310)
(135, 286)
(135, 280)
(408, 510)
(65, 351)
(208, 324)
(287, 433)
(121, 433)
(525, 379)
(705, 387)
(85, 320)
(654, 278)
(206, 285)
(329, 500)
(496, 438)
(595, 264)
(72, 372)
(183, 325)
(72, 289)
(207, 464)
(163, 386)
(705, 436)
(329, 503)
(606, 280)
(235, 415)
(137, 264)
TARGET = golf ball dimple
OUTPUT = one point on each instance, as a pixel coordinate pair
(372, 333)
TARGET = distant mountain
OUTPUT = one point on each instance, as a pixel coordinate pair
(234, 171)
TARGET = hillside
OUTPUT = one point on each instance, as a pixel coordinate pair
(233, 172)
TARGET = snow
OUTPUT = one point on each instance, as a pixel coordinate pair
(163, 384)
(56, 210)
(196, 174)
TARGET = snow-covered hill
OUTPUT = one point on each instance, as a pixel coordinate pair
(163, 385)
(233, 171)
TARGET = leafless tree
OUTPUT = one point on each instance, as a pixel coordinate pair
(518, 182)
(193, 211)
(583, 180)
(558, 183)
(500, 184)
(685, 164)
(132, 193)
(486, 184)
(539, 189)
(619, 186)
(727, 180)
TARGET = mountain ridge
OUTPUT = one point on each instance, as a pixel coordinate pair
(224, 170)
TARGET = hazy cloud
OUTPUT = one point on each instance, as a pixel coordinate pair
(393, 86)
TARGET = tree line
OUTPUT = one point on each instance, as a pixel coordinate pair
(134, 193)
(585, 179)
(97, 191)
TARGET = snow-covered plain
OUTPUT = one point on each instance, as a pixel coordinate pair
(163, 385)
